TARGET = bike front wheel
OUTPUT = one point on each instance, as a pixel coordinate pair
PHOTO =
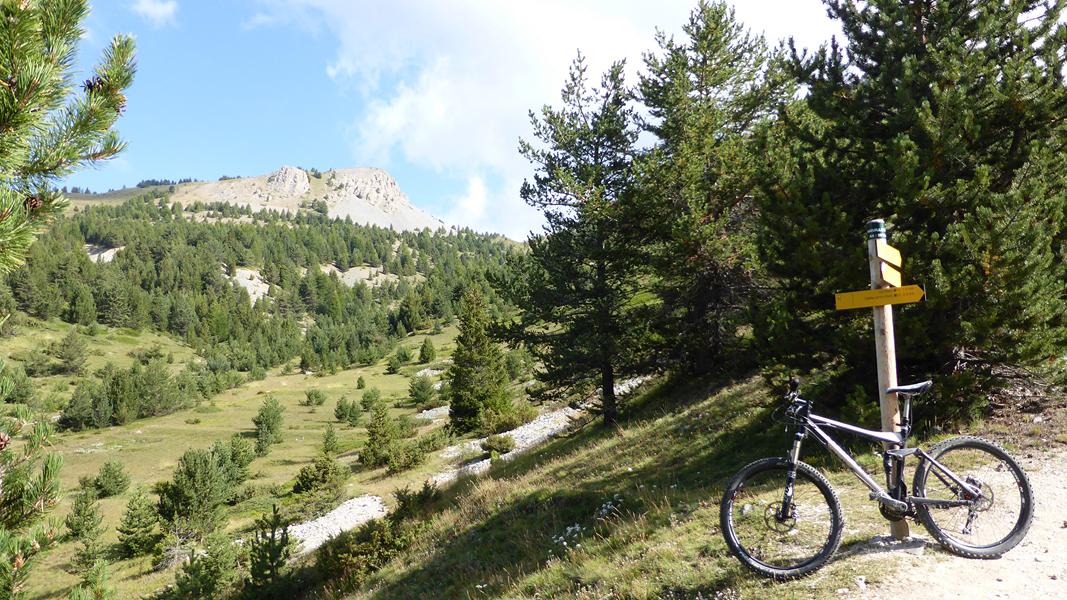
(782, 546)
(982, 527)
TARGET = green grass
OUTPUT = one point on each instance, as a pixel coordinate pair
(668, 463)
(150, 448)
(110, 345)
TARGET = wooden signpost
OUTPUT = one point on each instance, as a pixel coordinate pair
(886, 290)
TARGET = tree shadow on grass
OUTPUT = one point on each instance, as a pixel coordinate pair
(684, 449)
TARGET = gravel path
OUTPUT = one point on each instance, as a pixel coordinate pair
(1036, 568)
(352, 513)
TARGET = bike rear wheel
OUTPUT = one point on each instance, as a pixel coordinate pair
(986, 527)
(781, 548)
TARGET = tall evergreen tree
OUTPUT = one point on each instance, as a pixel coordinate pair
(477, 380)
(579, 286)
(948, 119)
(707, 94)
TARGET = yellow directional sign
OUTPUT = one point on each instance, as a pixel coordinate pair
(890, 275)
(889, 254)
(868, 298)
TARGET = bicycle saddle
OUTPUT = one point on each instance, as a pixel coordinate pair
(914, 388)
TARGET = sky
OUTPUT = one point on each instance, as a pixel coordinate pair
(436, 92)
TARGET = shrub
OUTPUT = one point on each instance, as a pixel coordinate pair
(411, 504)
(313, 397)
(353, 555)
(370, 399)
(403, 353)
(112, 479)
(94, 584)
(347, 412)
(19, 389)
(512, 416)
(394, 365)
(322, 473)
(498, 444)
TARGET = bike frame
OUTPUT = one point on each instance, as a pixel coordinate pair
(892, 458)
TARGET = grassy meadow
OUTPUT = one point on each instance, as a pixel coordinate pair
(150, 448)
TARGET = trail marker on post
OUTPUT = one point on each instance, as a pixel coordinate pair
(885, 262)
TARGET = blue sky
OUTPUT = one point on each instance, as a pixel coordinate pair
(436, 92)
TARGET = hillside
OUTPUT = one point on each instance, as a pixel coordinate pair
(368, 196)
(633, 512)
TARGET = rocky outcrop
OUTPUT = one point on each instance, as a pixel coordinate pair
(372, 197)
(289, 181)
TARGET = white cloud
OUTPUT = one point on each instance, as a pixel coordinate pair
(448, 85)
(158, 12)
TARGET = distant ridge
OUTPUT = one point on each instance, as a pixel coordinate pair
(368, 196)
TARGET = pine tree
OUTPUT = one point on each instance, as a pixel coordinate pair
(361, 383)
(72, 352)
(329, 440)
(269, 556)
(208, 575)
(477, 377)
(578, 286)
(707, 95)
(52, 128)
(137, 531)
(268, 422)
(342, 410)
(427, 353)
(190, 501)
(94, 584)
(83, 520)
(112, 479)
(421, 391)
(947, 119)
(84, 526)
(383, 437)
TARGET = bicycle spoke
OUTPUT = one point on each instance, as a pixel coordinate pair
(984, 521)
(781, 543)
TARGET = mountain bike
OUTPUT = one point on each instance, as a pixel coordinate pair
(783, 520)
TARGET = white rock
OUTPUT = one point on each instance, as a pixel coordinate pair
(312, 534)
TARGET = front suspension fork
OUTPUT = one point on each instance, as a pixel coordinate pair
(790, 479)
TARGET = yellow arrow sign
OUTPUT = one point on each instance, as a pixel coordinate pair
(868, 298)
(889, 254)
(890, 275)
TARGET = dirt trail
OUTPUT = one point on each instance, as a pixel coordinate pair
(1036, 568)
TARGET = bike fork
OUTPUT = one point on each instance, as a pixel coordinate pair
(790, 479)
